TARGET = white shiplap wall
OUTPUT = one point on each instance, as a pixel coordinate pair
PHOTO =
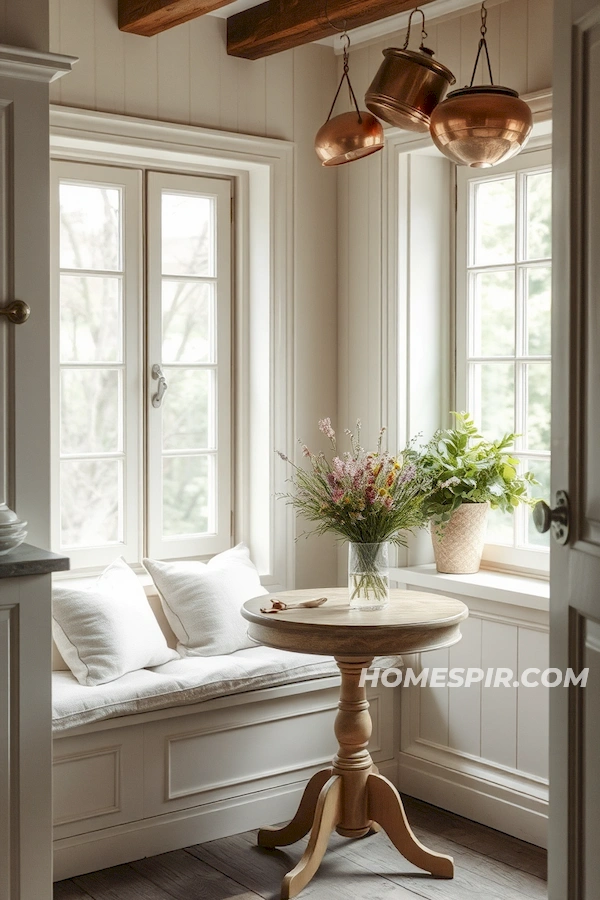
(185, 76)
(480, 752)
(520, 43)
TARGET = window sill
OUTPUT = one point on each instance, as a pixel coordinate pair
(516, 590)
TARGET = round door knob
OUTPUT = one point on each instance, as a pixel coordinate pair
(557, 519)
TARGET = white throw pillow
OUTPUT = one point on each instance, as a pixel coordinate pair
(202, 601)
(107, 630)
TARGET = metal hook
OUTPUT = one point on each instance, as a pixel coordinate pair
(423, 32)
(333, 25)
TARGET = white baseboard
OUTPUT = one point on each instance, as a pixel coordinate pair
(523, 815)
(149, 837)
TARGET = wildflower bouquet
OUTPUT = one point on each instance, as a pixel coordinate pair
(363, 497)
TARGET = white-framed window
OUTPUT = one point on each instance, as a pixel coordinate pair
(503, 329)
(143, 386)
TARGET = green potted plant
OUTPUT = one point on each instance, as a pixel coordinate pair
(469, 475)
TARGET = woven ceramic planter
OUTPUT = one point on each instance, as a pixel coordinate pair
(458, 544)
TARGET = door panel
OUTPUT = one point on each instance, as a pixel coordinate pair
(574, 860)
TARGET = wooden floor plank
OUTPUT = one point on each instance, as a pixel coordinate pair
(489, 866)
(377, 854)
(499, 872)
(501, 847)
(262, 871)
(68, 890)
(184, 877)
(120, 883)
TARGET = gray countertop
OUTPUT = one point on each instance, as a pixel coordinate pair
(28, 560)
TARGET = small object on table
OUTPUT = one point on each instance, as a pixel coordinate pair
(351, 797)
(280, 605)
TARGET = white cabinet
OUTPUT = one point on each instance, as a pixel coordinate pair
(26, 723)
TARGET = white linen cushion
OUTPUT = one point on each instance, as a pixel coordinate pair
(202, 601)
(185, 682)
(107, 630)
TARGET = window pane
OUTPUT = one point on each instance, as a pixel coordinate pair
(187, 234)
(91, 494)
(494, 222)
(492, 393)
(541, 470)
(493, 314)
(539, 306)
(539, 216)
(90, 402)
(90, 319)
(538, 406)
(187, 504)
(90, 226)
(501, 528)
(189, 410)
(188, 322)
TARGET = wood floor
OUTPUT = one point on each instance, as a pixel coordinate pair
(489, 866)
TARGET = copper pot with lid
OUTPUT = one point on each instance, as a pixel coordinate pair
(481, 125)
(408, 85)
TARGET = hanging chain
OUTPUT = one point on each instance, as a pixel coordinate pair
(484, 15)
(483, 46)
(346, 77)
(423, 32)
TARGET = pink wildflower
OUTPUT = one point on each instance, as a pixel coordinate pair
(305, 451)
(337, 495)
(408, 473)
(326, 429)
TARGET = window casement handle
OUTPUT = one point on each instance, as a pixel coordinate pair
(157, 373)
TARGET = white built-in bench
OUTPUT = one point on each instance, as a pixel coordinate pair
(193, 750)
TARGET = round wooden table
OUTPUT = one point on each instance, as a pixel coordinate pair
(351, 796)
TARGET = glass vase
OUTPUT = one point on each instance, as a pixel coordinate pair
(368, 575)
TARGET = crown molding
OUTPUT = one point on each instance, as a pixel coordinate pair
(32, 65)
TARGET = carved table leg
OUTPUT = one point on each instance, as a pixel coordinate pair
(351, 797)
(327, 815)
(302, 821)
(385, 807)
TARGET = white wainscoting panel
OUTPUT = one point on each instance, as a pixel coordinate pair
(97, 779)
(499, 705)
(479, 751)
(146, 784)
(464, 706)
(532, 705)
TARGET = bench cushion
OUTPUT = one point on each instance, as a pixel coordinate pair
(181, 682)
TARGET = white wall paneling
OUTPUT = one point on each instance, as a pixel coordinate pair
(145, 784)
(483, 751)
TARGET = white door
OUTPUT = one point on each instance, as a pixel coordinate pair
(574, 849)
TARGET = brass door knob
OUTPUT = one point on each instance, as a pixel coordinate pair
(16, 312)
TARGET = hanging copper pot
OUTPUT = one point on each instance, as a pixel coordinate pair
(482, 125)
(350, 135)
(408, 85)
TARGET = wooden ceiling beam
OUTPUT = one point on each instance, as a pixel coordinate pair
(149, 17)
(282, 24)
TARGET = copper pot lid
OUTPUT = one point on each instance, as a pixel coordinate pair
(482, 89)
(423, 57)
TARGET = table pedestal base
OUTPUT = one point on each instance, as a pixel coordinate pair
(350, 797)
